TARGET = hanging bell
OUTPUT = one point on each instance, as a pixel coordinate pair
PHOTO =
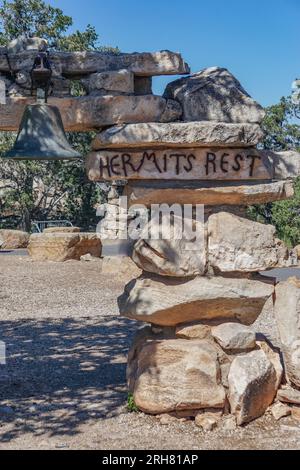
(41, 136)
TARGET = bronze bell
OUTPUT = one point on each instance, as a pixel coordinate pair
(41, 136)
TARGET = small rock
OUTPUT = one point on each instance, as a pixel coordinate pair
(193, 331)
(89, 257)
(234, 336)
(296, 412)
(167, 419)
(229, 423)
(279, 410)
(207, 421)
(289, 395)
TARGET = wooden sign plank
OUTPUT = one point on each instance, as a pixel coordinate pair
(179, 164)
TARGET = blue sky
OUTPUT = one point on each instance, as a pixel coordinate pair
(257, 40)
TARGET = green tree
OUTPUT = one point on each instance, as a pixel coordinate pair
(35, 190)
(282, 132)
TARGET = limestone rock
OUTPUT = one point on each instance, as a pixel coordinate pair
(119, 81)
(289, 395)
(252, 386)
(165, 249)
(62, 230)
(145, 64)
(89, 258)
(177, 375)
(168, 301)
(63, 246)
(296, 412)
(86, 113)
(173, 192)
(194, 330)
(207, 421)
(286, 163)
(179, 134)
(287, 314)
(238, 244)
(229, 423)
(214, 94)
(274, 356)
(23, 43)
(279, 410)
(234, 336)
(13, 239)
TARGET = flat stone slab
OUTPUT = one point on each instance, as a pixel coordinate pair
(169, 302)
(81, 63)
(93, 112)
(182, 164)
(189, 193)
(179, 134)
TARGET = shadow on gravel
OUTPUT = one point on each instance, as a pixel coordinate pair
(61, 374)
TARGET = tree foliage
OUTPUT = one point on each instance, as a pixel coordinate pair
(34, 190)
(282, 132)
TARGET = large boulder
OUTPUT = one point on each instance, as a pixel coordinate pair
(172, 375)
(252, 385)
(13, 239)
(214, 94)
(170, 301)
(179, 134)
(287, 314)
(63, 246)
(166, 247)
(238, 244)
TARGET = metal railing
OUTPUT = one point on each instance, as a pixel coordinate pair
(40, 225)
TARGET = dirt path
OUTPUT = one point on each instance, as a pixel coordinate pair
(63, 386)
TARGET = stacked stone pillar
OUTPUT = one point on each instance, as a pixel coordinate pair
(199, 356)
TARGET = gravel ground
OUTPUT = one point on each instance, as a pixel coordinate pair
(63, 386)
